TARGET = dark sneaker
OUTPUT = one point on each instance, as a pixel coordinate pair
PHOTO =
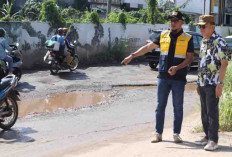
(177, 138)
(156, 138)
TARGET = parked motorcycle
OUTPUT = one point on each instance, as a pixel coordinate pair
(17, 63)
(56, 61)
(8, 102)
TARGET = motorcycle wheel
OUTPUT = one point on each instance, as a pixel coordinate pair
(54, 68)
(74, 63)
(7, 121)
(153, 64)
(18, 73)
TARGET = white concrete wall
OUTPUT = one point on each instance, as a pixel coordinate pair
(92, 40)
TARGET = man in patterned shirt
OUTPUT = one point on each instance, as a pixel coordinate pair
(213, 61)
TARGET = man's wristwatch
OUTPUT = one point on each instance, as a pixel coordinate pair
(220, 82)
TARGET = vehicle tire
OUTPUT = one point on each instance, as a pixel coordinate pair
(54, 68)
(2, 73)
(153, 64)
(17, 72)
(13, 106)
(74, 64)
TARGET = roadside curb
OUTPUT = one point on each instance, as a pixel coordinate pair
(145, 84)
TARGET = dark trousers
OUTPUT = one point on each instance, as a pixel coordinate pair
(209, 112)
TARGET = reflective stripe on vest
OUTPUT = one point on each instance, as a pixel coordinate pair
(164, 53)
(181, 44)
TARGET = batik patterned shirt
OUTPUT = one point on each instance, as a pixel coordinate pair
(212, 52)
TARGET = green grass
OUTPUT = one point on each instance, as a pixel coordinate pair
(197, 129)
(225, 107)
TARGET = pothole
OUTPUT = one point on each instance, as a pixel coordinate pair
(77, 99)
(62, 101)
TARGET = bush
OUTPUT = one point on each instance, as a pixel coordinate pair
(119, 50)
(112, 17)
(226, 102)
(50, 13)
(71, 13)
(122, 19)
(6, 11)
(140, 16)
(92, 17)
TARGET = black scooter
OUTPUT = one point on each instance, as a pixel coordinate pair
(8, 102)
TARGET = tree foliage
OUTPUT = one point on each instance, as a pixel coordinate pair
(50, 13)
(152, 9)
(54, 12)
(31, 10)
(6, 11)
(71, 13)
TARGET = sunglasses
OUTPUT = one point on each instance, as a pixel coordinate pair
(202, 26)
(174, 21)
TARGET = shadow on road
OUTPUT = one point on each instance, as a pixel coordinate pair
(25, 87)
(192, 145)
(17, 135)
(72, 75)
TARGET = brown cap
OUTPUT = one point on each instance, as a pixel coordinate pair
(203, 19)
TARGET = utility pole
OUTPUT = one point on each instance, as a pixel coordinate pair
(204, 7)
(108, 6)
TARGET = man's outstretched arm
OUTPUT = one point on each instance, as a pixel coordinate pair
(143, 50)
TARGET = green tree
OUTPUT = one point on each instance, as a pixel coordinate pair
(122, 19)
(112, 17)
(94, 18)
(90, 17)
(2, 2)
(71, 13)
(6, 11)
(50, 13)
(31, 10)
(151, 6)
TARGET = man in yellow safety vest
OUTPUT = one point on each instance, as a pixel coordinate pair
(176, 53)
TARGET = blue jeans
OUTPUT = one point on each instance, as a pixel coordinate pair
(9, 60)
(164, 87)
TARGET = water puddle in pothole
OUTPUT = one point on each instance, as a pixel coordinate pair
(62, 101)
(75, 100)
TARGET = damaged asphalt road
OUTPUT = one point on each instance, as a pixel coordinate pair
(126, 110)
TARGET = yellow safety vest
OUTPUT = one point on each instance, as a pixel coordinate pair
(180, 50)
